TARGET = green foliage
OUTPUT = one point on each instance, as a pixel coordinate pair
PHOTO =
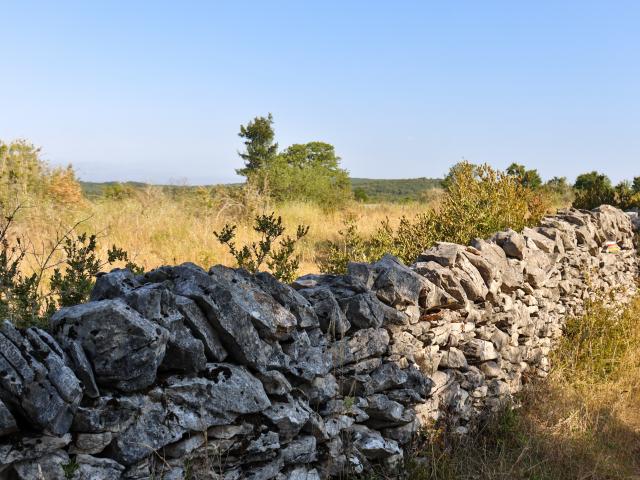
(27, 299)
(360, 195)
(527, 178)
(118, 191)
(73, 284)
(25, 177)
(636, 185)
(69, 469)
(395, 190)
(281, 261)
(260, 147)
(20, 300)
(592, 190)
(478, 202)
(307, 172)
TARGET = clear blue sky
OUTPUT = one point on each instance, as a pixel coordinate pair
(156, 91)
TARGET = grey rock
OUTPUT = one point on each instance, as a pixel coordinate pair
(307, 361)
(232, 309)
(35, 380)
(91, 443)
(7, 421)
(512, 243)
(288, 417)
(274, 382)
(299, 473)
(331, 317)
(201, 329)
(124, 348)
(481, 350)
(289, 298)
(453, 358)
(93, 468)
(49, 466)
(363, 310)
(31, 448)
(384, 412)
(372, 444)
(189, 404)
(363, 344)
(270, 318)
(300, 451)
(388, 376)
(83, 369)
(115, 284)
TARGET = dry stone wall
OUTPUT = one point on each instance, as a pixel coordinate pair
(187, 373)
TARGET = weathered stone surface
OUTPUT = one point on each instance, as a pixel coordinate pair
(49, 466)
(189, 404)
(31, 448)
(512, 243)
(289, 298)
(288, 417)
(331, 317)
(7, 421)
(93, 468)
(35, 380)
(91, 443)
(270, 318)
(201, 329)
(363, 344)
(124, 348)
(372, 444)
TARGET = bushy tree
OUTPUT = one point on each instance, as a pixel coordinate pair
(25, 178)
(528, 178)
(636, 185)
(592, 190)
(309, 171)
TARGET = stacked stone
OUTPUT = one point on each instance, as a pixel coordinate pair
(187, 373)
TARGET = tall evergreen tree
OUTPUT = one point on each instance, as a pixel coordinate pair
(260, 147)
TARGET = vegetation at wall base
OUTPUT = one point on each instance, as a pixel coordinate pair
(581, 422)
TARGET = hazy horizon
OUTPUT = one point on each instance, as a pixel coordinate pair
(156, 93)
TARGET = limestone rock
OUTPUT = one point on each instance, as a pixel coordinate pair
(124, 348)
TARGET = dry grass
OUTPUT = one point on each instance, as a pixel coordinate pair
(156, 229)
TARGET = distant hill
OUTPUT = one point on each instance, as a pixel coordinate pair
(395, 190)
(376, 190)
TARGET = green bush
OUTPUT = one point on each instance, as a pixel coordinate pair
(29, 299)
(478, 202)
(281, 261)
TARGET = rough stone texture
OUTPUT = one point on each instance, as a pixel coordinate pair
(223, 374)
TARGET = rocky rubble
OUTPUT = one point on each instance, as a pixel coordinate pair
(187, 373)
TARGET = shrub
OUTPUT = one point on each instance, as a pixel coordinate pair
(478, 202)
(281, 262)
(29, 299)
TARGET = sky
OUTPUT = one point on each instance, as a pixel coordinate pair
(156, 91)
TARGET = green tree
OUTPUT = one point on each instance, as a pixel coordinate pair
(528, 178)
(636, 185)
(260, 147)
(309, 172)
(592, 190)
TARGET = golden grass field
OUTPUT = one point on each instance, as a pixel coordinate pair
(157, 229)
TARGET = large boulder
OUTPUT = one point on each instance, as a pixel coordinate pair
(124, 348)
